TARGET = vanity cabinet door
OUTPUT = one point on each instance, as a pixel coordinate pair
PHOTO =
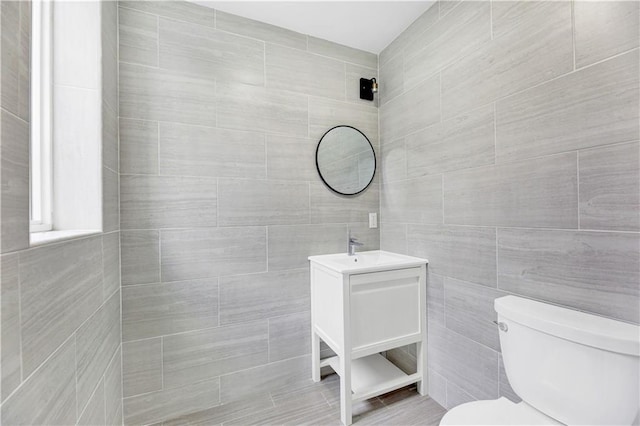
(385, 306)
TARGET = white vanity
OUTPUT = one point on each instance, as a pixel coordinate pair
(362, 305)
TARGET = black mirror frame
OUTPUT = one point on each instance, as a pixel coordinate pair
(375, 161)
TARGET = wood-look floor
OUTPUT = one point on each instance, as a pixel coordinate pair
(318, 404)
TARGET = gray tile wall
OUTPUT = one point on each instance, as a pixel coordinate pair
(221, 203)
(519, 173)
(60, 303)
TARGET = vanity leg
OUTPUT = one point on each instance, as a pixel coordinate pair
(315, 357)
(345, 390)
(421, 360)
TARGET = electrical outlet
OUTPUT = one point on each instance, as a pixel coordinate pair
(373, 220)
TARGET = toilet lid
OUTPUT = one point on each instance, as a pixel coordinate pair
(496, 412)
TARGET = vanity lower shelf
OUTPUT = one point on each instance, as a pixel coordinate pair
(372, 375)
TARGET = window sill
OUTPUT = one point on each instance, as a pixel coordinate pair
(41, 238)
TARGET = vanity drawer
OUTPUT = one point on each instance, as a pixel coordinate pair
(385, 307)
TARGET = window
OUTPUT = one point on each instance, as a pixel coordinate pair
(66, 120)
(41, 118)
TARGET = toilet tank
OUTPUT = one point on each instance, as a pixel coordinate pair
(575, 367)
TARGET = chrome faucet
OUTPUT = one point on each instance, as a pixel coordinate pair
(352, 244)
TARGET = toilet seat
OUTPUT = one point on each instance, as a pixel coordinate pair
(496, 412)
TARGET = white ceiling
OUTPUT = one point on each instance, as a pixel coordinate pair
(366, 25)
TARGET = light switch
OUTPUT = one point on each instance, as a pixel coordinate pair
(373, 220)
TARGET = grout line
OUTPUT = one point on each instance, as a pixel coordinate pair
(218, 301)
(115, 354)
(463, 337)
(444, 302)
(215, 27)
(6, 111)
(20, 319)
(459, 113)
(104, 295)
(498, 372)
(160, 390)
(75, 362)
(578, 184)
(460, 225)
(207, 379)
(121, 369)
(216, 107)
(573, 33)
(549, 302)
(213, 328)
(115, 172)
(434, 125)
(440, 100)
(495, 133)
(306, 49)
(157, 41)
(309, 194)
(162, 362)
(208, 126)
(442, 189)
(308, 117)
(325, 398)
(121, 381)
(160, 253)
(84, 410)
(406, 238)
(269, 340)
(491, 18)
(104, 392)
(266, 156)
(266, 243)
(295, 269)
(346, 96)
(158, 337)
(217, 204)
(446, 394)
(617, 55)
(158, 146)
(591, 148)
(72, 335)
(264, 64)
(514, 161)
(273, 402)
(497, 269)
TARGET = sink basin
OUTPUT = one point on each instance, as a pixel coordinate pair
(367, 261)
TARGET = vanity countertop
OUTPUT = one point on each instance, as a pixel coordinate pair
(367, 261)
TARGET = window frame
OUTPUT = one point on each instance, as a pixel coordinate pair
(41, 159)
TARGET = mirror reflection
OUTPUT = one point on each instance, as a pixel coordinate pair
(345, 160)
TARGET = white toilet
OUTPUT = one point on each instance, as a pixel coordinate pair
(568, 367)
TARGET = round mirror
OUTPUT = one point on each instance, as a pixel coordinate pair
(345, 160)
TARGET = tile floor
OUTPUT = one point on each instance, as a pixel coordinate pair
(319, 404)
